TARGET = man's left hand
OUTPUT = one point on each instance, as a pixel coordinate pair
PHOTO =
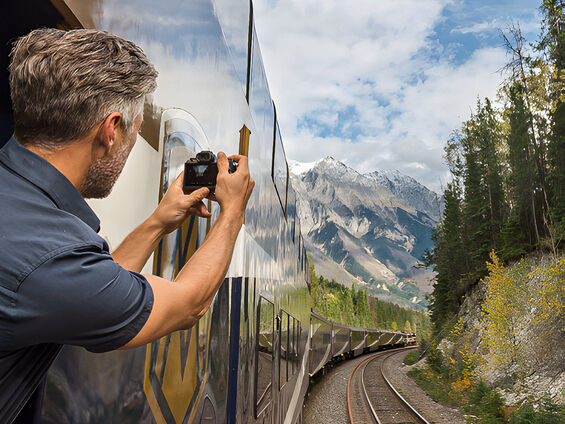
(176, 206)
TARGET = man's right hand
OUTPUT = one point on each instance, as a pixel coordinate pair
(233, 190)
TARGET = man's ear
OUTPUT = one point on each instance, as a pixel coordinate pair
(107, 133)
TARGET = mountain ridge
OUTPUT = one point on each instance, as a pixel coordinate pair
(368, 229)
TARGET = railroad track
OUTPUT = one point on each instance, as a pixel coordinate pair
(372, 399)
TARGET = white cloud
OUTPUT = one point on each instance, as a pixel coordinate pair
(367, 83)
(530, 25)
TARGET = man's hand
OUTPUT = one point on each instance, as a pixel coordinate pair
(233, 190)
(176, 206)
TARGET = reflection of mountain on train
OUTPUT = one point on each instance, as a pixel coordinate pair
(368, 229)
(247, 359)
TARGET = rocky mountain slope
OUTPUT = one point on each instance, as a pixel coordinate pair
(511, 335)
(368, 229)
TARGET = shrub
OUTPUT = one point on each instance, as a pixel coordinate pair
(548, 413)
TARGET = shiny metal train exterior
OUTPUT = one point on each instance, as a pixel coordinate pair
(250, 357)
(331, 341)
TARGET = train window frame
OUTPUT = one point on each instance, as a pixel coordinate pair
(295, 324)
(292, 352)
(277, 141)
(262, 403)
(282, 381)
(291, 207)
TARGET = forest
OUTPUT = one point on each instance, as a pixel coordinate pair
(351, 306)
(507, 192)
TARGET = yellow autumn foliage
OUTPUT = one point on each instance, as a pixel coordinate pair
(520, 305)
(550, 282)
(500, 314)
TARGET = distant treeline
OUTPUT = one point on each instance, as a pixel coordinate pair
(351, 306)
(508, 165)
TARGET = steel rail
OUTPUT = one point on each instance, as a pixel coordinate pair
(404, 401)
(349, 388)
(368, 402)
(375, 416)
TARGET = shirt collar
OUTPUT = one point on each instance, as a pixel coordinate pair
(42, 174)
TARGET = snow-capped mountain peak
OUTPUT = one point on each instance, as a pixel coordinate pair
(299, 168)
(372, 228)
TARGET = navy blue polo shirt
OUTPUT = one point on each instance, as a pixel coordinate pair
(58, 282)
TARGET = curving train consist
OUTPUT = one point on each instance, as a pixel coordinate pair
(249, 359)
(331, 341)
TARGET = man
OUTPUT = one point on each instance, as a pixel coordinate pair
(77, 99)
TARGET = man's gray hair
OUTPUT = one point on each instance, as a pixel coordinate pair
(63, 83)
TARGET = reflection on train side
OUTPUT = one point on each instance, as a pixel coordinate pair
(264, 354)
(289, 357)
(183, 137)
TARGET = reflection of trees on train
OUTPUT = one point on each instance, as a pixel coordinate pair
(264, 358)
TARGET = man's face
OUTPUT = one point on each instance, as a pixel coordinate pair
(103, 173)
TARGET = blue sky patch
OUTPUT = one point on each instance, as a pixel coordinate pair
(469, 25)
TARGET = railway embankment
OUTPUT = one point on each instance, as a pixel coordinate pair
(327, 399)
(504, 353)
(396, 371)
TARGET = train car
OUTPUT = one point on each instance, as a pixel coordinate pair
(358, 341)
(247, 359)
(331, 341)
(320, 343)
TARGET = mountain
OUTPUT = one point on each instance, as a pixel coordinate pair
(368, 229)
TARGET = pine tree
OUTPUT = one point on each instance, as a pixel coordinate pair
(448, 259)
(553, 42)
(531, 75)
(484, 210)
(348, 310)
(520, 233)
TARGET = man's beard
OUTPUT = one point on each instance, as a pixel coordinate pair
(103, 173)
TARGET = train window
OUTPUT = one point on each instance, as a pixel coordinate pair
(264, 354)
(284, 348)
(279, 171)
(299, 262)
(296, 357)
(259, 98)
(291, 348)
(234, 18)
(291, 211)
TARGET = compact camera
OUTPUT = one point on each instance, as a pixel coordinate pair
(202, 170)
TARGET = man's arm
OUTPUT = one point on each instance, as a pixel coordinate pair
(180, 304)
(174, 208)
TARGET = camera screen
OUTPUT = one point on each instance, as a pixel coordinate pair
(200, 175)
(200, 169)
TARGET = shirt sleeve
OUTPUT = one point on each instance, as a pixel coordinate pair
(82, 297)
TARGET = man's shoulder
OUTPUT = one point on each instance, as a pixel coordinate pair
(32, 228)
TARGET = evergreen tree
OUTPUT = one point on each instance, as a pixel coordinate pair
(520, 233)
(448, 259)
(532, 75)
(484, 209)
(553, 42)
(348, 310)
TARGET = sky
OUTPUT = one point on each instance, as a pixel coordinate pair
(381, 84)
